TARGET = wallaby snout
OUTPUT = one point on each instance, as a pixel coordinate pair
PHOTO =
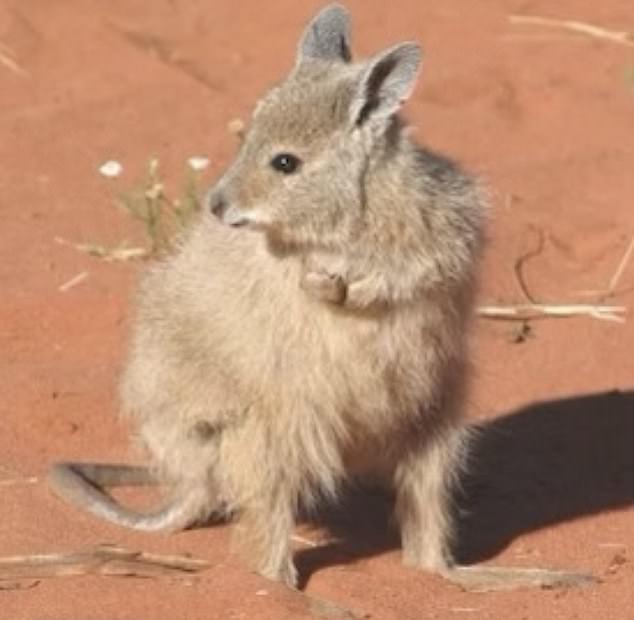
(216, 201)
(222, 207)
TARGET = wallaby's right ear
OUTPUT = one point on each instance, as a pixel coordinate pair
(327, 36)
(386, 82)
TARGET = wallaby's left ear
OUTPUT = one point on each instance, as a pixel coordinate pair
(326, 37)
(386, 83)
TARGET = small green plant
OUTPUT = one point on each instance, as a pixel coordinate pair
(163, 218)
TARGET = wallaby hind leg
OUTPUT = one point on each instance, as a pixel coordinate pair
(423, 485)
(423, 480)
(264, 532)
(266, 520)
(84, 485)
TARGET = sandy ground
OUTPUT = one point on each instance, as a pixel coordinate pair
(545, 115)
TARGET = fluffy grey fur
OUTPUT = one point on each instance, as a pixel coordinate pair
(312, 328)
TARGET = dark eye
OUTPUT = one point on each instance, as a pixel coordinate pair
(287, 163)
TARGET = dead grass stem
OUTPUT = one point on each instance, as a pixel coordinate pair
(585, 28)
(163, 218)
(527, 312)
(8, 60)
(102, 560)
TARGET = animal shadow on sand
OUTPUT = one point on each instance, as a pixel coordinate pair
(546, 463)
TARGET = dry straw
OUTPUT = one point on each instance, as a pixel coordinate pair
(590, 30)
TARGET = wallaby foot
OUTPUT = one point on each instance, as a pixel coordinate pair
(480, 578)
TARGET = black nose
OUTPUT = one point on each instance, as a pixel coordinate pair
(217, 203)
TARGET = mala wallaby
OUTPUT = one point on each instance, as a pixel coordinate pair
(310, 328)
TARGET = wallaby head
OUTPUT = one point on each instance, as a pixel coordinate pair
(299, 173)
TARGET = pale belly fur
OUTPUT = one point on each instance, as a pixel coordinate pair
(225, 335)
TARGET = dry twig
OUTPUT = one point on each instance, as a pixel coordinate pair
(100, 560)
(18, 572)
(610, 290)
(614, 280)
(536, 310)
(622, 38)
(7, 59)
(74, 281)
(118, 253)
(12, 482)
(526, 312)
(519, 265)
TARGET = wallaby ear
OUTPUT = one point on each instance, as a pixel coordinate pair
(327, 36)
(387, 81)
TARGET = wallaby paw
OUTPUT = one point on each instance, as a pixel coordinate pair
(324, 286)
(287, 573)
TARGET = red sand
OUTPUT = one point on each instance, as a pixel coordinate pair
(545, 115)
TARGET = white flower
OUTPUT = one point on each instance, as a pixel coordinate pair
(198, 163)
(111, 169)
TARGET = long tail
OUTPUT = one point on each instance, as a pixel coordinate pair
(84, 484)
